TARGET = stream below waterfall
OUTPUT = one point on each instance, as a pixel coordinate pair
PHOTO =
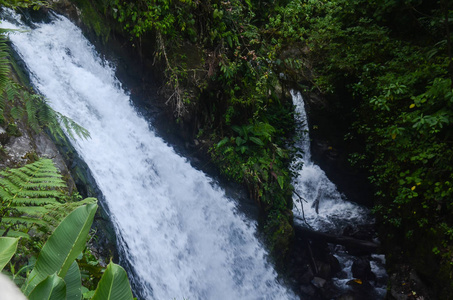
(182, 237)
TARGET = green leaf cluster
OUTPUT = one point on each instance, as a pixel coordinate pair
(14, 4)
(32, 196)
(394, 60)
(56, 273)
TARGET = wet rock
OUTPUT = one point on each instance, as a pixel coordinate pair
(361, 268)
(17, 148)
(4, 137)
(308, 290)
(318, 282)
(330, 290)
(362, 289)
(307, 275)
(405, 284)
(334, 265)
(25, 146)
(347, 296)
(324, 270)
(44, 147)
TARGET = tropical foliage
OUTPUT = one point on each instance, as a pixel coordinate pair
(386, 64)
(390, 63)
(394, 60)
(33, 195)
(56, 274)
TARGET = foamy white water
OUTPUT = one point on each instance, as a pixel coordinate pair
(181, 234)
(324, 208)
(332, 212)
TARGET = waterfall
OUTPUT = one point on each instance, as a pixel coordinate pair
(178, 231)
(325, 209)
(322, 206)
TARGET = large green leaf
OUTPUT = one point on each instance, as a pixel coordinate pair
(63, 246)
(113, 285)
(256, 140)
(8, 246)
(51, 288)
(73, 283)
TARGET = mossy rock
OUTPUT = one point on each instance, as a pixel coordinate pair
(31, 157)
(13, 130)
(4, 137)
(94, 17)
(445, 285)
(279, 233)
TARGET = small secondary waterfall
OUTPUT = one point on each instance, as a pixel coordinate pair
(180, 233)
(322, 206)
(325, 209)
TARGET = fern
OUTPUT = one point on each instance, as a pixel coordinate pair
(32, 195)
(4, 68)
(31, 107)
(16, 102)
(40, 114)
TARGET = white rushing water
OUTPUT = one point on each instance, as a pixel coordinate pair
(183, 237)
(323, 207)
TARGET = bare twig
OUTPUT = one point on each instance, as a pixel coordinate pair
(301, 199)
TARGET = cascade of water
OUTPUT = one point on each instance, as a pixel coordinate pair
(182, 236)
(323, 207)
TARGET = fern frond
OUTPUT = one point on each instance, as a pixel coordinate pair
(24, 221)
(17, 112)
(5, 195)
(13, 179)
(31, 109)
(35, 194)
(46, 114)
(41, 168)
(14, 233)
(19, 173)
(34, 201)
(73, 127)
(11, 91)
(9, 187)
(44, 185)
(4, 70)
(32, 211)
(30, 193)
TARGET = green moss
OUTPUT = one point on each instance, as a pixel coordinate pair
(279, 233)
(12, 130)
(31, 157)
(93, 16)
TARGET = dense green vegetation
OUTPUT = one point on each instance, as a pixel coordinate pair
(388, 64)
(33, 203)
(393, 59)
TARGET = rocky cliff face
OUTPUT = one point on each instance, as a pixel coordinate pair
(24, 146)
